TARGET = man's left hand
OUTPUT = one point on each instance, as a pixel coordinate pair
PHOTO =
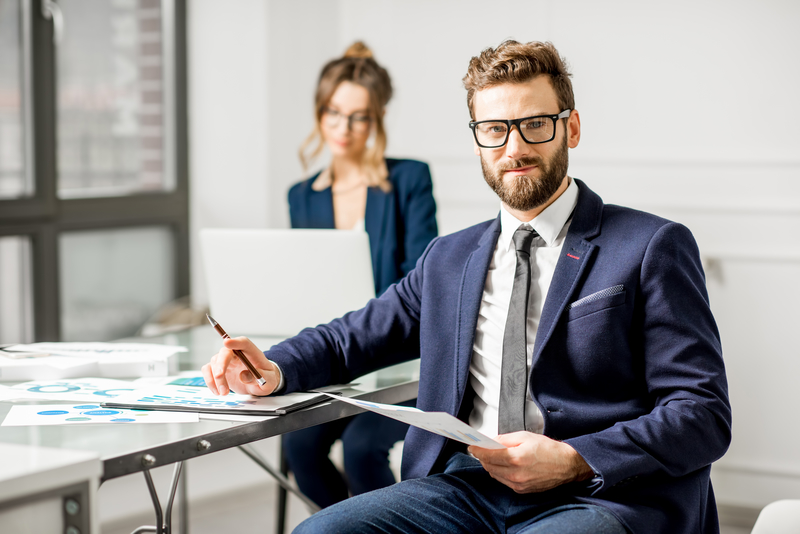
(532, 463)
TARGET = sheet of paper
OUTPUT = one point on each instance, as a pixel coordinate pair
(72, 360)
(72, 389)
(45, 368)
(99, 350)
(82, 414)
(8, 394)
(440, 423)
(186, 378)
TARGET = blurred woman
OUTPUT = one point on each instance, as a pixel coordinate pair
(393, 200)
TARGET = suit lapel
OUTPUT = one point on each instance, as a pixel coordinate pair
(473, 281)
(376, 221)
(575, 255)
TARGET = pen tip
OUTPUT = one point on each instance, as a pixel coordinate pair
(211, 320)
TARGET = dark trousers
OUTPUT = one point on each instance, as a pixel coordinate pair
(463, 499)
(366, 439)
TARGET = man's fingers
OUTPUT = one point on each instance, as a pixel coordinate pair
(226, 372)
(208, 378)
(220, 364)
(490, 456)
(250, 351)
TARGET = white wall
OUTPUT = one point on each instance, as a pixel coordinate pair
(689, 109)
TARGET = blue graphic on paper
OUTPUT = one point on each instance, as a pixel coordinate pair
(55, 388)
(86, 407)
(110, 392)
(101, 412)
(53, 412)
(196, 381)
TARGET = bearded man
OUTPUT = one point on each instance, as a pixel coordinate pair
(577, 332)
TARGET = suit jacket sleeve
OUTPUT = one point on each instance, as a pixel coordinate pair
(681, 359)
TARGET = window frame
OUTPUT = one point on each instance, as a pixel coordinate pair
(43, 216)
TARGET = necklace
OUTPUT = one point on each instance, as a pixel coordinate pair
(347, 189)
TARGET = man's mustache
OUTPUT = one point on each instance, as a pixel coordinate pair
(519, 163)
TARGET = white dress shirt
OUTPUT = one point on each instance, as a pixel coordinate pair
(487, 350)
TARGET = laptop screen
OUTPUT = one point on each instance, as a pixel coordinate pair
(264, 282)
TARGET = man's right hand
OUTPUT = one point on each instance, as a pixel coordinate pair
(226, 372)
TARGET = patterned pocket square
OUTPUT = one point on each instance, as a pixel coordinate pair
(597, 296)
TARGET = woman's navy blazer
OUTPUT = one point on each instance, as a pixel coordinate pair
(400, 223)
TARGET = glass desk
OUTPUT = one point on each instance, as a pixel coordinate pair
(131, 449)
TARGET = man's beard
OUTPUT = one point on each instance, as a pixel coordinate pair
(526, 192)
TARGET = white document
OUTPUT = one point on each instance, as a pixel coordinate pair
(184, 379)
(70, 360)
(96, 349)
(70, 389)
(82, 414)
(44, 367)
(440, 423)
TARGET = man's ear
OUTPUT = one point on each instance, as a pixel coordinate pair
(573, 129)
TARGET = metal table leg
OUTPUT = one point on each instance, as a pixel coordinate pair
(163, 520)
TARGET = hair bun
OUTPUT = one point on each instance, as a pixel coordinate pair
(358, 49)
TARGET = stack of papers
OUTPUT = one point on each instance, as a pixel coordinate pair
(193, 399)
(47, 361)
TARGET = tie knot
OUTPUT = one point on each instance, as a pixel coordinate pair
(523, 238)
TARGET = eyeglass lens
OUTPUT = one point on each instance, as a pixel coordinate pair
(534, 130)
(356, 121)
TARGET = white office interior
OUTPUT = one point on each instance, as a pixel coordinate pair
(688, 109)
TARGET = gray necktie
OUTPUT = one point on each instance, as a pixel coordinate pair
(514, 379)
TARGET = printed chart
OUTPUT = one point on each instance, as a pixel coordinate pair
(73, 389)
(81, 414)
(202, 400)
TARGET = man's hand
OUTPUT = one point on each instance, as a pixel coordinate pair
(532, 463)
(226, 372)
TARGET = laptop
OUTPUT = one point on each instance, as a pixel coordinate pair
(274, 283)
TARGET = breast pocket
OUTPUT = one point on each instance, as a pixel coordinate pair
(601, 300)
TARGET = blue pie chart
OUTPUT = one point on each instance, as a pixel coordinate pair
(54, 389)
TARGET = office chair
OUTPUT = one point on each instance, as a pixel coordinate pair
(779, 517)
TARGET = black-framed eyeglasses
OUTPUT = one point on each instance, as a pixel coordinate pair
(534, 130)
(356, 122)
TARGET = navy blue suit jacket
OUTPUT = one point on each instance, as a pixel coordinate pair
(633, 380)
(400, 223)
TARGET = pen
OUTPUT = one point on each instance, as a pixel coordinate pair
(245, 361)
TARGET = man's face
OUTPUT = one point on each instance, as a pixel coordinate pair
(525, 176)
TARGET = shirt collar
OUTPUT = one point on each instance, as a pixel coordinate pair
(547, 224)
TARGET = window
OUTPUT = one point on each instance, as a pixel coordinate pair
(93, 185)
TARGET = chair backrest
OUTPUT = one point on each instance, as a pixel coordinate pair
(779, 517)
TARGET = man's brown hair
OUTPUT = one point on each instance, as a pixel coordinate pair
(514, 62)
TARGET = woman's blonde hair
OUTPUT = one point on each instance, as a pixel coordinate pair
(359, 67)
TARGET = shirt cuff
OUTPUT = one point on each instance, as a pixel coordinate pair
(281, 383)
